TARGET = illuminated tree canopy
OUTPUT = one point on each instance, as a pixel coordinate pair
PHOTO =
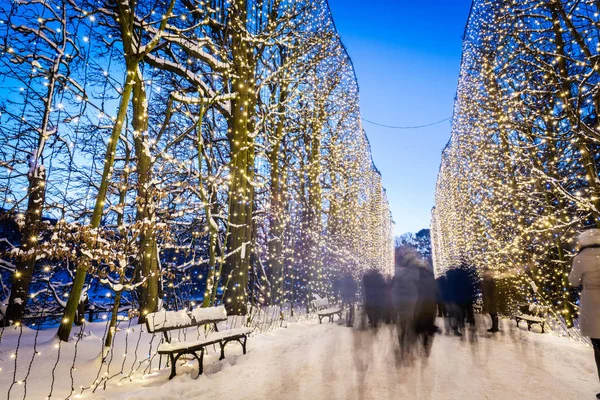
(519, 176)
(181, 153)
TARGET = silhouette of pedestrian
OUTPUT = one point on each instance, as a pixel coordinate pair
(348, 290)
(374, 296)
(461, 294)
(405, 297)
(490, 298)
(425, 312)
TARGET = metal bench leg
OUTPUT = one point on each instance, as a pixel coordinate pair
(201, 361)
(244, 344)
(320, 319)
(542, 327)
(528, 326)
(222, 344)
(173, 364)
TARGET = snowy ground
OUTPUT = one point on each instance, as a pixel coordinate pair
(312, 361)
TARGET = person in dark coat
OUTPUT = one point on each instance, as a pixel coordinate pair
(445, 303)
(406, 298)
(490, 298)
(461, 295)
(388, 305)
(374, 296)
(441, 296)
(348, 290)
(425, 312)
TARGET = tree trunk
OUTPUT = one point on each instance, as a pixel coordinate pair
(125, 15)
(314, 208)
(276, 218)
(147, 258)
(64, 329)
(23, 275)
(21, 279)
(242, 166)
(115, 312)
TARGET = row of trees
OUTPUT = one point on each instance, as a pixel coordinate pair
(519, 176)
(149, 146)
(419, 242)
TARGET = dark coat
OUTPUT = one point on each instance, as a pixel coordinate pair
(460, 287)
(405, 293)
(490, 295)
(426, 304)
(374, 291)
(442, 285)
(348, 289)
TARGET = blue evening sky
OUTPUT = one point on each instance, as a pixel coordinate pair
(406, 54)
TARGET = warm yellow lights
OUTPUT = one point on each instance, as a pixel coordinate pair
(517, 181)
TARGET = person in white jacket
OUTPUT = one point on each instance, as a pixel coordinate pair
(586, 273)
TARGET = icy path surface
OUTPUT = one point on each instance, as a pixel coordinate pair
(311, 361)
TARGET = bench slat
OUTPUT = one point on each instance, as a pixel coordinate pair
(161, 321)
(329, 311)
(209, 315)
(531, 318)
(191, 345)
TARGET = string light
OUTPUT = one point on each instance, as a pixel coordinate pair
(189, 168)
(516, 181)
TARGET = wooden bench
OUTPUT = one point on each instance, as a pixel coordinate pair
(324, 309)
(532, 314)
(167, 322)
(530, 319)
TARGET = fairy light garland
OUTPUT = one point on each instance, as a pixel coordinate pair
(519, 176)
(333, 215)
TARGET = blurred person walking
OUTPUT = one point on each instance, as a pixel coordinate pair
(427, 294)
(348, 290)
(374, 296)
(461, 295)
(441, 296)
(405, 295)
(490, 298)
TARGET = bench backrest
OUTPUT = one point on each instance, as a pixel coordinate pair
(538, 311)
(535, 310)
(164, 321)
(320, 303)
(209, 315)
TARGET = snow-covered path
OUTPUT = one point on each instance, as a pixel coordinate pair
(311, 361)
